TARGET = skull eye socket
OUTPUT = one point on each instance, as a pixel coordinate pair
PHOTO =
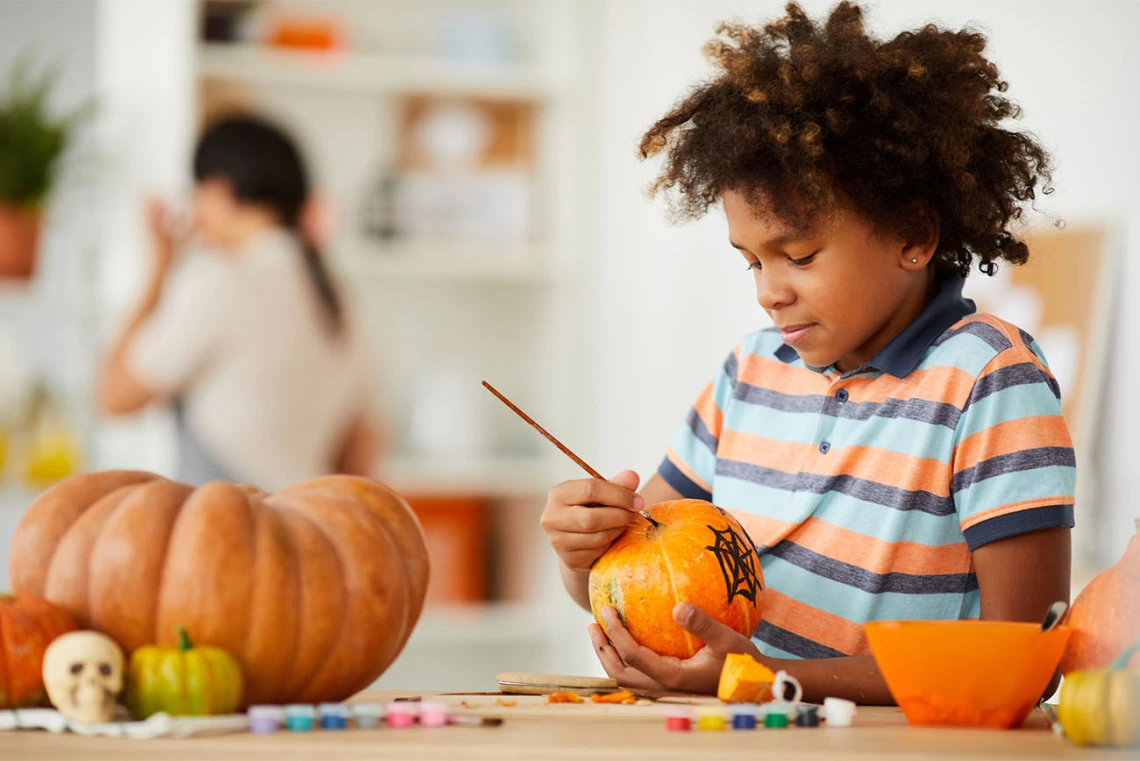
(105, 669)
(77, 668)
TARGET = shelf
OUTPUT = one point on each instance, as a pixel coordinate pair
(348, 70)
(502, 476)
(430, 262)
(496, 624)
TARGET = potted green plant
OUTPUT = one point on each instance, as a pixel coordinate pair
(32, 142)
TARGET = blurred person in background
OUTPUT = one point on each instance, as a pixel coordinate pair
(252, 341)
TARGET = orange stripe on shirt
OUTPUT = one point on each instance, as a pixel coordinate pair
(787, 456)
(1015, 507)
(778, 376)
(1012, 436)
(817, 625)
(896, 469)
(708, 410)
(943, 385)
(763, 530)
(878, 556)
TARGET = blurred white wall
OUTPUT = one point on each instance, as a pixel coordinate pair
(672, 301)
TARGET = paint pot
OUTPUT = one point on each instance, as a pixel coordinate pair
(264, 720)
(711, 720)
(300, 718)
(744, 716)
(807, 715)
(367, 715)
(433, 714)
(401, 714)
(838, 712)
(333, 715)
(776, 720)
(679, 720)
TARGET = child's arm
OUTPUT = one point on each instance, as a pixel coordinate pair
(582, 518)
(1018, 578)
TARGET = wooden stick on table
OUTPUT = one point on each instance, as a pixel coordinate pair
(562, 447)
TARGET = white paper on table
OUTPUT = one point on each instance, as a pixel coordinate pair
(158, 725)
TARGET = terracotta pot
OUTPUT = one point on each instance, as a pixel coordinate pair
(19, 241)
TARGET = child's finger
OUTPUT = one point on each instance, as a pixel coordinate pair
(595, 491)
(615, 667)
(717, 637)
(662, 669)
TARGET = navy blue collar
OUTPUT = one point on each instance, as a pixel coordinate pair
(901, 356)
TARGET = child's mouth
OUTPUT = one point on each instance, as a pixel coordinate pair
(794, 334)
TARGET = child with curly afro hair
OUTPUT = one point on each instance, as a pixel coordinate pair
(891, 453)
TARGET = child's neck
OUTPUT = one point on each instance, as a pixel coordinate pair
(246, 228)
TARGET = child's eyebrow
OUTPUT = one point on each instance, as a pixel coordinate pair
(790, 236)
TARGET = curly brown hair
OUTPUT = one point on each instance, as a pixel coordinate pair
(806, 116)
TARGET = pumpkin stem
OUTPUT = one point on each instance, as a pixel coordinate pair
(183, 639)
(1121, 661)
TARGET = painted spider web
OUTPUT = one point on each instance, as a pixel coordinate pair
(737, 564)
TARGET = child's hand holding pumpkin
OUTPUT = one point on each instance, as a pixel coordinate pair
(634, 665)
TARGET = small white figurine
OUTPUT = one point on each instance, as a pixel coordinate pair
(83, 674)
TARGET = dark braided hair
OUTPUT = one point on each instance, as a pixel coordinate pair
(264, 167)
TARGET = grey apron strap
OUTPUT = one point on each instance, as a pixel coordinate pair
(196, 465)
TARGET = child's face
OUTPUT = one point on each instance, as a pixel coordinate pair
(838, 291)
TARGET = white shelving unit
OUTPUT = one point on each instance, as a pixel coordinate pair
(505, 311)
(430, 261)
(353, 71)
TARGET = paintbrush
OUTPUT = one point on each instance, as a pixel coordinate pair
(562, 447)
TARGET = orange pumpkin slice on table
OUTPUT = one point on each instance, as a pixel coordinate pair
(692, 551)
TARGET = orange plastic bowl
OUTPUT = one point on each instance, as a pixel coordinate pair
(966, 673)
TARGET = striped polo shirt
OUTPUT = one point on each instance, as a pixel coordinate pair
(866, 491)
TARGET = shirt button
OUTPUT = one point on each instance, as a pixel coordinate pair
(841, 395)
(825, 447)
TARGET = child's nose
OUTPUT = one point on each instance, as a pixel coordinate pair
(773, 292)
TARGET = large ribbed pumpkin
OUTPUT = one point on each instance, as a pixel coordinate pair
(1106, 614)
(695, 553)
(314, 589)
(27, 626)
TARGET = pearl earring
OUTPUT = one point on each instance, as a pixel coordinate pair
(914, 261)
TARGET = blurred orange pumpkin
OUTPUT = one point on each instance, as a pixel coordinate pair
(27, 626)
(1105, 617)
(314, 589)
(696, 553)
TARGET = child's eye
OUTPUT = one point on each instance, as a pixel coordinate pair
(753, 266)
(802, 262)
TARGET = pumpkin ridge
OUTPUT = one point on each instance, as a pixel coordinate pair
(293, 681)
(673, 587)
(5, 664)
(364, 515)
(136, 489)
(301, 683)
(111, 501)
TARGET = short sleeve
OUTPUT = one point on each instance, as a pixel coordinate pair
(1014, 470)
(183, 333)
(690, 462)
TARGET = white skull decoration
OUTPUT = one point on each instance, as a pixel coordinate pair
(83, 674)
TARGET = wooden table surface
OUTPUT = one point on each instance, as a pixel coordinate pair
(879, 733)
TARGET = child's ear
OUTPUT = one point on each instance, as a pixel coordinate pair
(922, 237)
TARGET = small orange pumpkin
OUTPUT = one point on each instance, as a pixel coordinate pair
(1106, 615)
(27, 626)
(693, 551)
